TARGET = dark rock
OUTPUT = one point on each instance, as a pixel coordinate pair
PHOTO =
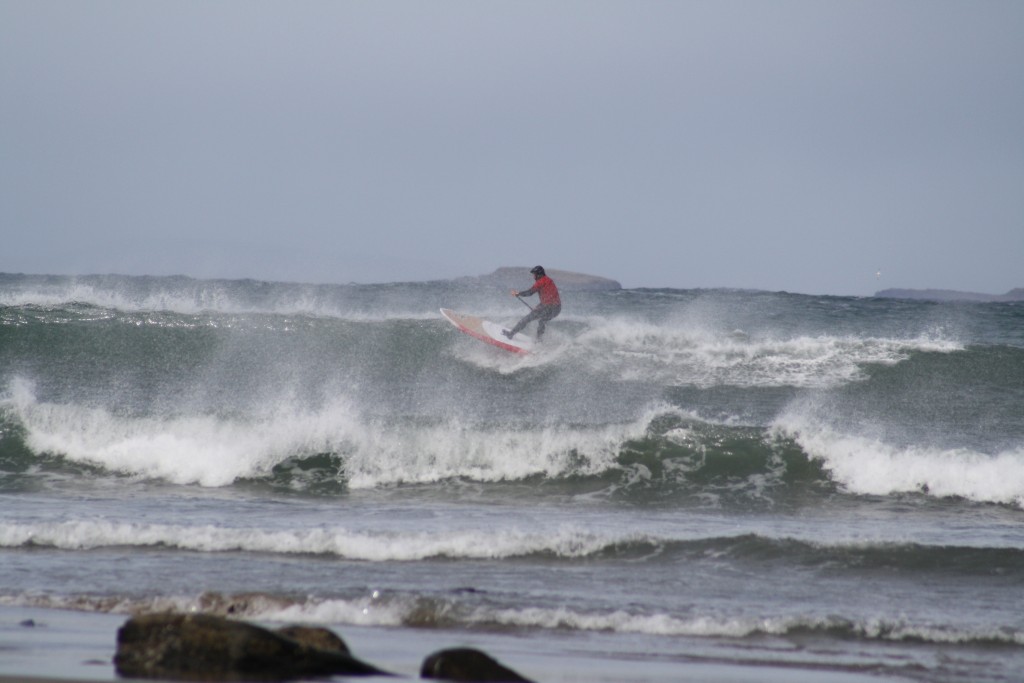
(211, 648)
(315, 636)
(467, 664)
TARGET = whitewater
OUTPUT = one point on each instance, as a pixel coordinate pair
(705, 483)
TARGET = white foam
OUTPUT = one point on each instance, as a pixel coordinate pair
(74, 291)
(670, 354)
(620, 621)
(202, 449)
(869, 466)
(377, 545)
(213, 450)
(396, 611)
(660, 624)
(368, 611)
(191, 297)
(452, 448)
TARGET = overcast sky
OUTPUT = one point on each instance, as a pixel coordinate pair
(782, 145)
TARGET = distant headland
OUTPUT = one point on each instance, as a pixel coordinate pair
(519, 277)
(949, 295)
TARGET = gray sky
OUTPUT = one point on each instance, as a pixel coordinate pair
(782, 145)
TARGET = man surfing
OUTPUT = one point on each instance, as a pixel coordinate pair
(549, 307)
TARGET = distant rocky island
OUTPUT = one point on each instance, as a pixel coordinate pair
(519, 277)
(949, 295)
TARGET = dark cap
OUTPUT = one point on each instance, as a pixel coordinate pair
(537, 270)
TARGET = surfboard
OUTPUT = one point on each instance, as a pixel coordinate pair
(488, 332)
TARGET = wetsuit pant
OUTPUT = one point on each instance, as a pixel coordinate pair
(542, 314)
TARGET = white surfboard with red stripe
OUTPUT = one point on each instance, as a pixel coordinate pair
(488, 332)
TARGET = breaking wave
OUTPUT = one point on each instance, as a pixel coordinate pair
(378, 608)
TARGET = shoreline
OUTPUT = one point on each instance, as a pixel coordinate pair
(66, 646)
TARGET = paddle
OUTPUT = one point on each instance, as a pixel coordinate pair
(524, 302)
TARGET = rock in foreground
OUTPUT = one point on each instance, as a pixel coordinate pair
(315, 636)
(211, 648)
(467, 664)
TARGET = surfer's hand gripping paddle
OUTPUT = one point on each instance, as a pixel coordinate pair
(515, 293)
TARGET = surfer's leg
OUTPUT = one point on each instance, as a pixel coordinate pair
(527, 319)
(518, 326)
(548, 313)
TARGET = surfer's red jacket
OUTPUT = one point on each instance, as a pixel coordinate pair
(548, 291)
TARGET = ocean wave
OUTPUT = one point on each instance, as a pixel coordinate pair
(213, 450)
(328, 449)
(663, 454)
(705, 357)
(335, 541)
(387, 609)
(865, 465)
(621, 621)
(689, 348)
(191, 449)
(563, 543)
(188, 296)
(178, 294)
